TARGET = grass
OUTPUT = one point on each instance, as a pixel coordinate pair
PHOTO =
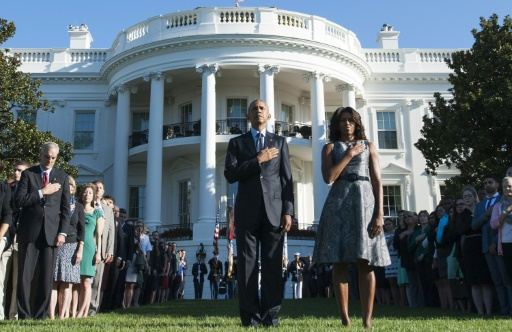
(303, 315)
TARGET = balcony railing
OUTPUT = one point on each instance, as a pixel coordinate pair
(183, 129)
(231, 126)
(295, 129)
(138, 138)
(175, 232)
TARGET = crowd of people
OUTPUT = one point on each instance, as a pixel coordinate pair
(69, 251)
(458, 256)
(101, 260)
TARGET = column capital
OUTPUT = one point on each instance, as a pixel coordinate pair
(345, 87)
(316, 75)
(122, 88)
(207, 68)
(158, 75)
(361, 102)
(270, 69)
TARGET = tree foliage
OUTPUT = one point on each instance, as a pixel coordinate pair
(20, 140)
(472, 131)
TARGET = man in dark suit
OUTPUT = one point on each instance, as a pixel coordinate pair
(5, 222)
(259, 161)
(43, 197)
(495, 263)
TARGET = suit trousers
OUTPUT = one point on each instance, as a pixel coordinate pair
(5, 257)
(35, 278)
(13, 305)
(259, 241)
(501, 282)
(96, 289)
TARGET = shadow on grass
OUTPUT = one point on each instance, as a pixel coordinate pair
(319, 308)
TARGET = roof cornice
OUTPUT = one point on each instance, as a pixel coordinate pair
(230, 40)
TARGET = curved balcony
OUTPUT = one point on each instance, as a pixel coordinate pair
(248, 21)
(231, 126)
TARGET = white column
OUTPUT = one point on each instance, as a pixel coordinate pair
(153, 215)
(318, 140)
(348, 93)
(203, 228)
(121, 146)
(267, 91)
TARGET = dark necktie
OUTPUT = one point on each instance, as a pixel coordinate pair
(45, 179)
(489, 203)
(260, 142)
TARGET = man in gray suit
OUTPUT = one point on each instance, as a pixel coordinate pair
(259, 161)
(107, 247)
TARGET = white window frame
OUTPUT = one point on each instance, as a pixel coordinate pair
(187, 181)
(141, 200)
(94, 131)
(397, 130)
(402, 202)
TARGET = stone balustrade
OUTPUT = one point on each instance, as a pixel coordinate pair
(408, 59)
(247, 21)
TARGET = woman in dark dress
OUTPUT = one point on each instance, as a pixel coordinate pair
(472, 260)
(351, 224)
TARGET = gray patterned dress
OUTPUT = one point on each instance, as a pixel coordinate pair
(343, 227)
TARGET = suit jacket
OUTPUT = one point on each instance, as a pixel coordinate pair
(76, 229)
(271, 181)
(5, 210)
(125, 234)
(50, 214)
(109, 232)
(481, 222)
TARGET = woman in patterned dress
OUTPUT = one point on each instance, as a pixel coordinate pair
(69, 256)
(351, 225)
(92, 247)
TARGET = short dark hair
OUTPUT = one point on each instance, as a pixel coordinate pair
(23, 163)
(493, 176)
(109, 197)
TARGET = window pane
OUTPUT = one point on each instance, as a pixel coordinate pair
(237, 107)
(286, 113)
(136, 202)
(84, 131)
(185, 188)
(140, 121)
(392, 200)
(186, 113)
(387, 135)
(237, 115)
(83, 141)
(27, 116)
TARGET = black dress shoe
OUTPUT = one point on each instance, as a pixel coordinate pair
(268, 321)
(250, 323)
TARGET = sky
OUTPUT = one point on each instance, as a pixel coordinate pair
(422, 24)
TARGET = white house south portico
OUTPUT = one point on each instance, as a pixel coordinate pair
(153, 114)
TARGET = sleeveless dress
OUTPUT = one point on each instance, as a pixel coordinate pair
(346, 216)
(88, 265)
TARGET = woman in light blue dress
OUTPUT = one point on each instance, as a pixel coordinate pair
(351, 225)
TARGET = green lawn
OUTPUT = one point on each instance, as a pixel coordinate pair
(303, 315)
